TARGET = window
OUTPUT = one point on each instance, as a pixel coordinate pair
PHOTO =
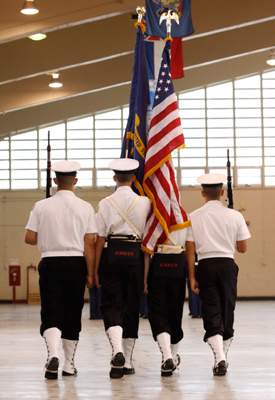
(108, 140)
(268, 83)
(238, 115)
(5, 164)
(192, 111)
(248, 128)
(24, 155)
(80, 148)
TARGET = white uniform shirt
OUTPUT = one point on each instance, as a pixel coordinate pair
(61, 222)
(215, 229)
(179, 236)
(109, 217)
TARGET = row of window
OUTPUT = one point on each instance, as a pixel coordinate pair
(238, 115)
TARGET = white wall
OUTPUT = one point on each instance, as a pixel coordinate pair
(255, 279)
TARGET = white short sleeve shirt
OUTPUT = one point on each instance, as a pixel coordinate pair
(108, 217)
(215, 229)
(61, 222)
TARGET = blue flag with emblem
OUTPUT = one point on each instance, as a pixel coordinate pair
(135, 137)
(181, 7)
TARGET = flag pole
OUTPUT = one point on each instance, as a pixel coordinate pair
(140, 11)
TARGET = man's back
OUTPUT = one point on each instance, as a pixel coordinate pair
(216, 229)
(109, 217)
(61, 223)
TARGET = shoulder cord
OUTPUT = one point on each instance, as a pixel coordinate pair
(125, 216)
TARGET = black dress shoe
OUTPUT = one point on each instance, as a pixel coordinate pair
(220, 369)
(128, 371)
(64, 373)
(167, 367)
(117, 364)
(52, 368)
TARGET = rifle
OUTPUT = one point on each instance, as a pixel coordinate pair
(49, 166)
(229, 183)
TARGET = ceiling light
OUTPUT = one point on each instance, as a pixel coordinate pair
(55, 81)
(37, 36)
(29, 8)
(271, 59)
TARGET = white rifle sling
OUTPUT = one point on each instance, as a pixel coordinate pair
(125, 216)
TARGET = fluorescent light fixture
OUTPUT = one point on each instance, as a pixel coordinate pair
(29, 8)
(37, 36)
(271, 59)
(55, 81)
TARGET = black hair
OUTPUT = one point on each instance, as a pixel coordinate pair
(65, 180)
(213, 192)
(123, 177)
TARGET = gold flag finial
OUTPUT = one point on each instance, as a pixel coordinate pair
(168, 15)
(140, 10)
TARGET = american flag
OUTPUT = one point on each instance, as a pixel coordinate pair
(165, 136)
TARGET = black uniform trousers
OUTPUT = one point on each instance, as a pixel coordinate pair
(165, 304)
(121, 290)
(217, 278)
(62, 285)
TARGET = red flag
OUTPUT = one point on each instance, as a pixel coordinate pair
(165, 135)
(176, 59)
(154, 48)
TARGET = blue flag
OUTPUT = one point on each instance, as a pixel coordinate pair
(181, 7)
(135, 138)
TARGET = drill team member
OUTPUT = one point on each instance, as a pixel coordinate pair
(216, 232)
(63, 226)
(166, 293)
(119, 267)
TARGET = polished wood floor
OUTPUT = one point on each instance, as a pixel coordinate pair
(251, 373)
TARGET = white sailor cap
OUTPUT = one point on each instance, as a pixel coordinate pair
(66, 167)
(212, 179)
(124, 165)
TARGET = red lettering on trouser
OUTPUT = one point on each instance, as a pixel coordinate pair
(124, 253)
(168, 265)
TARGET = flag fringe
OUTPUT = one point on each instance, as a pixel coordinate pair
(130, 135)
(144, 248)
(177, 227)
(139, 187)
(142, 26)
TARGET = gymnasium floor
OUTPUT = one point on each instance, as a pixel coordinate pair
(251, 372)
